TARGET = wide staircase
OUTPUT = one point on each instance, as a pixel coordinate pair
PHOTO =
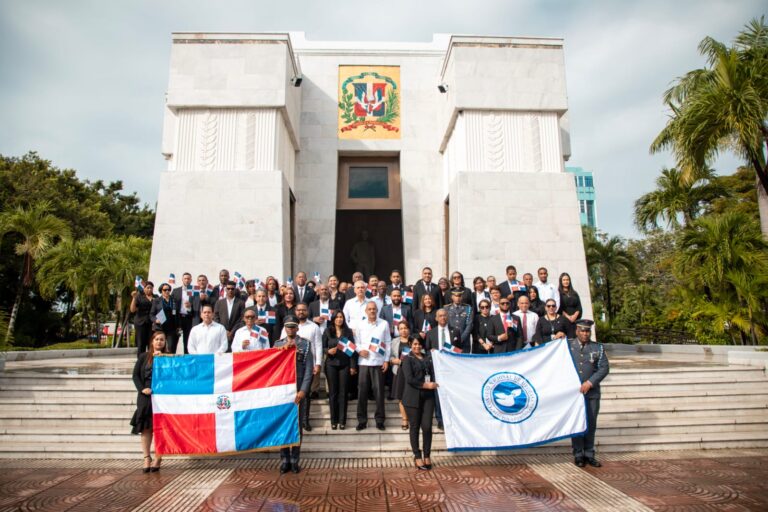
(667, 408)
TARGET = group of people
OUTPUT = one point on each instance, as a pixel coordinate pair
(369, 338)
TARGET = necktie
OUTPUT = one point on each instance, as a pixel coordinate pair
(442, 337)
(429, 287)
(525, 328)
(301, 293)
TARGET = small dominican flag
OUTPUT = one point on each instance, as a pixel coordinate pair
(406, 351)
(517, 287)
(370, 291)
(196, 291)
(451, 348)
(261, 335)
(268, 316)
(325, 313)
(260, 284)
(220, 403)
(494, 309)
(377, 346)
(408, 297)
(396, 316)
(426, 327)
(209, 288)
(316, 277)
(189, 290)
(347, 346)
(171, 279)
(240, 280)
(289, 281)
(139, 282)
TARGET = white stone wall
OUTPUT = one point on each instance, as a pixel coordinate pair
(209, 220)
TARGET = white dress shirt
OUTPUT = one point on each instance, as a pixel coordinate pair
(531, 319)
(380, 303)
(207, 339)
(244, 334)
(364, 333)
(354, 312)
(311, 332)
(443, 335)
(548, 291)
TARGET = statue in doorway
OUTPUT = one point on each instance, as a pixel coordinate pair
(363, 255)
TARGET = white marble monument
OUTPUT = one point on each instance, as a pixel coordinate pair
(262, 172)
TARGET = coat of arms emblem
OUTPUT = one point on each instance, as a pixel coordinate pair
(369, 102)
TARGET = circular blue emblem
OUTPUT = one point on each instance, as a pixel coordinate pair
(509, 397)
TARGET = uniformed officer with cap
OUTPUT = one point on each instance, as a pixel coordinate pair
(460, 317)
(592, 365)
(289, 457)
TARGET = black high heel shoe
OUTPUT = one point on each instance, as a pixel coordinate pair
(420, 467)
(146, 469)
(154, 468)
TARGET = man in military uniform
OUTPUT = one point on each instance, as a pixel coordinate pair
(289, 457)
(592, 365)
(460, 317)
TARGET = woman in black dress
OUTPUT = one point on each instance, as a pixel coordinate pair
(551, 326)
(570, 303)
(285, 308)
(170, 309)
(141, 305)
(424, 317)
(273, 292)
(401, 346)
(457, 281)
(142, 418)
(333, 291)
(480, 329)
(419, 401)
(537, 305)
(338, 367)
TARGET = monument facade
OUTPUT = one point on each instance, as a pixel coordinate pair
(286, 154)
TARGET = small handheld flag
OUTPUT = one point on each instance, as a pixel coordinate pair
(406, 351)
(408, 297)
(325, 313)
(451, 348)
(347, 346)
(172, 279)
(397, 316)
(316, 277)
(289, 281)
(196, 291)
(139, 282)
(209, 288)
(260, 284)
(261, 335)
(377, 346)
(240, 280)
(426, 327)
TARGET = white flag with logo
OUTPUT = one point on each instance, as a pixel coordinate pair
(510, 400)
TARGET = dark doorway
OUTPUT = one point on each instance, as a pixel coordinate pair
(385, 232)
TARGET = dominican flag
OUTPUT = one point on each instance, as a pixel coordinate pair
(139, 282)
(377, 346)
(316, 277)
(408, 297)
(370, 291)
(289, 281)
(260, 284)
(240, 280)
(325, 313)
(196, 291)
(426, 327)
(517, 286)
(260, 335)
(222, 403)
(510, 400)
(189, 290)
(451, 348)
(347, 346)
(171, 279)
(209, 288)
(406, 351)
(268, 316)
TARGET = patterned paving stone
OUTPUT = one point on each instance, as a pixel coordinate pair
(681, 481)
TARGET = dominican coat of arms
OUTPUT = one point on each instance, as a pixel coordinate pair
(369, 102)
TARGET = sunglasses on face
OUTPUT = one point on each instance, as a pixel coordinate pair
(228, 288)
(550, 305)
(249, 316)
(485, 307)
(504, 303)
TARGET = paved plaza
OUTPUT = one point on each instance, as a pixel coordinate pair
(731, 480)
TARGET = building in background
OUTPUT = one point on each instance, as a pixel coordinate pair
(585, 192)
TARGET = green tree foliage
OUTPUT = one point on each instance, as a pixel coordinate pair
(607, 259)
(723, 106)
(108, 228)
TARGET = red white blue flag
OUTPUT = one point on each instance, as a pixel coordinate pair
(347, 346)
(268, 316)
(221, 403)
(408, 297)
(139, 282)
(171, 279)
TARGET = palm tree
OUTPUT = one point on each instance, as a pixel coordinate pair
(723, 106)
(39, 231)
(607, 257)
(752, 292)
(676, 196)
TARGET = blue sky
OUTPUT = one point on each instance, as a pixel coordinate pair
(83, 82)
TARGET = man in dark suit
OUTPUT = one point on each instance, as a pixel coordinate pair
(229, 311)
(182, 296)
(350, 293)
(425, 286)
(303, 292)
(396, 282)
(396, 312)
(506, 332)
(262, 308)
(220, 290)
(512, 288)
(443, 334)
(202, 298)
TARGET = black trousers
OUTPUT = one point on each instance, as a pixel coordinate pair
(186, 326)
(143, 333)
(171, 340)
(420, 418)
(338, 380)
(370, 377)
(585, 446)
(292, 453)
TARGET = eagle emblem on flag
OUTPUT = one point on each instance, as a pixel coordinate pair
(369, 102)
